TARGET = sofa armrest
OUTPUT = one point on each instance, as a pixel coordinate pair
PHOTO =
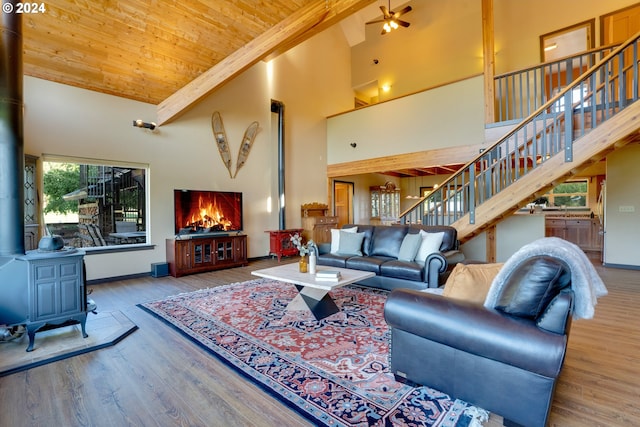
(474, 329)
(324, 248)
(453, 257)
(434, 266)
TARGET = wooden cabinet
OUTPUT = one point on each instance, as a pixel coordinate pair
(317, 223)
(555, 228)
(584, 232)
(200, 254)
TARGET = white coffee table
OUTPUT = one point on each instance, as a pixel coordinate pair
(312, 294)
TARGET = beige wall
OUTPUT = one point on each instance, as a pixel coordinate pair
(543, 16)
(67, 121)
(622, 228)
(443, 44)
(511, 234)
(424, 121)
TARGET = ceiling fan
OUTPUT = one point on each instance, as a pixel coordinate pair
(390, 18)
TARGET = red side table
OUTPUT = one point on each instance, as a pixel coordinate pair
(280, 242)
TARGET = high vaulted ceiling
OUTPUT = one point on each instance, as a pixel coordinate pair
(142, 49)
(169, 53)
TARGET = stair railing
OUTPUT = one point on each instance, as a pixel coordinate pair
(594, 97)
(519, 93)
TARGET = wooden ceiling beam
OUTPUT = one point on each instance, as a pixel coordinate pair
(296, 28)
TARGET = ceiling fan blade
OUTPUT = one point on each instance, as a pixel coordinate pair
(402, 12)
(402, 23)
(385, 12)
(377, 21)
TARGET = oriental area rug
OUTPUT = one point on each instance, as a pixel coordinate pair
(333, 371)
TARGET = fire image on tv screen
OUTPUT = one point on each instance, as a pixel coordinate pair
(207, 211)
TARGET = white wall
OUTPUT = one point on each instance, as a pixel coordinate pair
(425, 121)
(622, 228)
(312, 80)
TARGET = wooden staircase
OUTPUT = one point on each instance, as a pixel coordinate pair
(622, 129)
(594, 115)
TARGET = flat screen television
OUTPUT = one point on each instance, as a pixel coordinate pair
(201, 212)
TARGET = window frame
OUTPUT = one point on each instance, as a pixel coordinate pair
(109, 248)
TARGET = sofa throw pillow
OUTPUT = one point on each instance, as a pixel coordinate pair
(335, 237)
(471, 282)
(350, 243)
(409, 247)
(431, 243)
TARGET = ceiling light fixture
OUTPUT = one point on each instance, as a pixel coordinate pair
(390, 19)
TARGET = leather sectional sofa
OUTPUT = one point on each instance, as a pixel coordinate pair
(381, 248)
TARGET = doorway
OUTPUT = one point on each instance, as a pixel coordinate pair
(563, 43)
(343, 202)
(617, 27)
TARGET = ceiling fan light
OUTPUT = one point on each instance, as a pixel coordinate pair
(394, 25)
(386, 27)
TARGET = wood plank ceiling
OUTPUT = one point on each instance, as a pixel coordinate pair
(144, 50)
(155, 51)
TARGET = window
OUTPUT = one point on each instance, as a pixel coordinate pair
(95, 204)
(570, 194)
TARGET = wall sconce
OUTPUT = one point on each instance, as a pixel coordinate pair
(140, 124)
(386, 87)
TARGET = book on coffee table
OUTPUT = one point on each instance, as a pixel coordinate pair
(327, 279)
(328, 274)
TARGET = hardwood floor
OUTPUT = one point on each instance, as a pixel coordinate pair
(155, 377)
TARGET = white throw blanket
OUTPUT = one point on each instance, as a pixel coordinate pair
(586, 284)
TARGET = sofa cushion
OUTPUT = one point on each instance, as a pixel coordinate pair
(333, 260)
(386, 241)
(409, 247)
(350, 243)
(335, 237)
(403, 270)
(532, 285)
(431, 243)
(449, 240)
(367, 263)
(471, 282)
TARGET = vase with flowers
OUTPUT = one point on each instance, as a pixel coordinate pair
(309, 248)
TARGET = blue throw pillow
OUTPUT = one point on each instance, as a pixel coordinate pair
(409, 248)
(350, 243)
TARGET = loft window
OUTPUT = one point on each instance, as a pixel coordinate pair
(95, 204)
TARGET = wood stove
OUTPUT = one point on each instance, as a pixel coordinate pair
(43, 288)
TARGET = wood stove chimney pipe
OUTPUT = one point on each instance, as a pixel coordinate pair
(11, 136)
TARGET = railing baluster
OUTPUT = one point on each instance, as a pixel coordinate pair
(551, 128)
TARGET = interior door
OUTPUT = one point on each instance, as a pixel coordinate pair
(343, 202)
(617, 27)
(560, 44)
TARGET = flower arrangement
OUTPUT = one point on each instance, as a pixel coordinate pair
(303, 248)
